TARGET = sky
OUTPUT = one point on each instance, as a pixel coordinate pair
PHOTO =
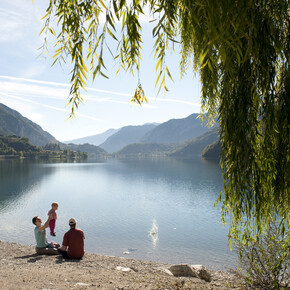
(39, 91)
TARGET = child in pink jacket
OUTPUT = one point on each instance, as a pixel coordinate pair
(53, 216)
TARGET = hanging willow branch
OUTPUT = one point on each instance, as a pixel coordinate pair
(241, 51)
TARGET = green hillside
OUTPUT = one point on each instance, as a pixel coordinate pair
(144, 149)
(17, 146)
(212, 151)
(92, 150)
(13, 123)
(20, 147)
(195, 146)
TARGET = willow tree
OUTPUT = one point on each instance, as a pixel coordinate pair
(241, 52)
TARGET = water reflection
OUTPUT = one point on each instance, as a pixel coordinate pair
(153, 209)
(154, 233)
(17, 179)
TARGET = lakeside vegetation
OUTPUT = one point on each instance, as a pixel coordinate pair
(20, 147)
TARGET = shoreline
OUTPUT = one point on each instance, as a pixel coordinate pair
(22, 268)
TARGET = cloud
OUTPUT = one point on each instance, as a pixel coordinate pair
(175, 101)
(55, 90)
(25, 100)
(17, 20)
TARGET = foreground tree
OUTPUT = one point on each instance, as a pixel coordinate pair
(241, 51)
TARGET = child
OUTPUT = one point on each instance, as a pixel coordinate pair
(53, 216)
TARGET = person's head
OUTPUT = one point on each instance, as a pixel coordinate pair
(54, 205)
(36, 220)
(72, 222)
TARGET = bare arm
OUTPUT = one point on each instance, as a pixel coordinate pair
(63, 248)
(45, 225)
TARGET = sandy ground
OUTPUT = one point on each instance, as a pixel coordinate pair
(21, 268)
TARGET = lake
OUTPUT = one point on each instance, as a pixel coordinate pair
(158, 209)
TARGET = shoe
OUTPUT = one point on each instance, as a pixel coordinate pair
(53, 234)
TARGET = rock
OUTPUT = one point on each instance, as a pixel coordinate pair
(183, 270)
(202, 272)
(164, 270)
(124, 269)
(81, 284)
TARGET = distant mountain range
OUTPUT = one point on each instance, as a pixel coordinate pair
(179, 138)
(95, 139)
(187, 150)
(195, 146)
(125, 136)
(13, 123)
(176, 131)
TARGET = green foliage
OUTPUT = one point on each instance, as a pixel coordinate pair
(195, 146)
(212, 151)
(17, 147)
(144, 149)
(241, 51)
(14, 145)
(266, 259)
(91, 150)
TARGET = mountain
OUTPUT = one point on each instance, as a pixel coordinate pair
(13, 123)
(125, 136)
(144, 149)
(195, 146)
(94, 139)
(212, 151)
(92, 150)
(176, 131)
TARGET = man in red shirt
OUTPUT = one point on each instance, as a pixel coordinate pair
(73, 242)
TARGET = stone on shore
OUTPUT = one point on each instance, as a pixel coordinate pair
(183, 270)
(124, 269)
(202, 272)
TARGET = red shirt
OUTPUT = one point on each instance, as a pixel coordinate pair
(74, 240)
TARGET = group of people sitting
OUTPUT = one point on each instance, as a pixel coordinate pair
(72, 245)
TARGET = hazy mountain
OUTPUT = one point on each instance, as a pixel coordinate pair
(212, 151)
(13, 123)
(94, 139)
(92, 150)
(176, 131)
(144, 149)
(195, 146)
(125, 136)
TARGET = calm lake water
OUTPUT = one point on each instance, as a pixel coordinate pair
(154, 209)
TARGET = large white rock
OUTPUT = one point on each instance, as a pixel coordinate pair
(183, 270)
(202, 272)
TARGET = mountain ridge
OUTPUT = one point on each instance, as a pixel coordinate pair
(13, 123)
(125, 136)
(96, 139)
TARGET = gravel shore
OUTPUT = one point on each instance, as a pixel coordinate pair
(22, 268)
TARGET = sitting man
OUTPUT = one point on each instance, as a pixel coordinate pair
(74, 241)
(42, 246)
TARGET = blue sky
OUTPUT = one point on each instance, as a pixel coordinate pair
(30, 85)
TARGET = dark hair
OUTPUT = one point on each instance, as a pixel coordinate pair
(34, 220)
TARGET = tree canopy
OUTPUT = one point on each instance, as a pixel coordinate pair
(241, 51)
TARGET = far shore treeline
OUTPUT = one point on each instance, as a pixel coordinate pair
(20, 147)
(184, 138)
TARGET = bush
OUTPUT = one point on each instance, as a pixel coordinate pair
(265, 259)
